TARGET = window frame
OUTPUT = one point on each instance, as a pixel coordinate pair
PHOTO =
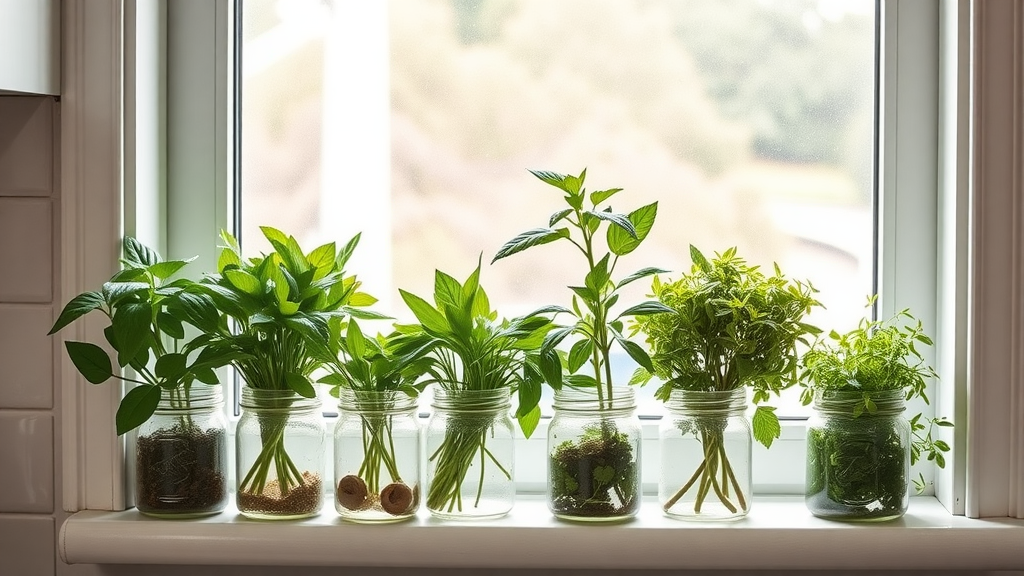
(93, 190)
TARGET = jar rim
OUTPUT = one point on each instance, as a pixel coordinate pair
(263, 399)
(471, 400)
(732, 401)
(365, 401)
(191, 398)
(845, 402)
(572, 399)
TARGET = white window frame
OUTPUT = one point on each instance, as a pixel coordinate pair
(975, 224)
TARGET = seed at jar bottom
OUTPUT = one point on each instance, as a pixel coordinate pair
(352, 492)
(396, 498)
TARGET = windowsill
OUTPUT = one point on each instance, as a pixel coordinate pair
(778, 533)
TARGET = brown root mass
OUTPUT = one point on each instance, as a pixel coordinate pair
(181, 470)
(302, 499)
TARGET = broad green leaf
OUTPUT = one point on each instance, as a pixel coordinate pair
(636, 353)
(555, 337)
(136, 407)
(274, 235)
(206, 376)
(361, 299)
(322, 259)
(534, 237)
(198, 310)
(91, 360)
(550, 309)
(170, 325)
(598, 276)
(766, 425)
(602, 195)
(288, 308)
(334, 379)
(354, 340)
(128, 274)
(228, 258)
(620, 242)
(114, 292)
(551, 367)
(300, 385)
(244, 281)
(528, 422)
(553, 178)
(170, 366)
(230, 241)
(529, 394)
(579, 354)
(429, 317)
(447, 290)
(620, 221)
(132, 322)
(138, 254)
(642, 273)
(76, 308)
(164, 270)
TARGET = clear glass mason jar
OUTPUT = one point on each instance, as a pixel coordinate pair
(470, 454)
(376, 456)
(181, 455)
(706, 443)
(279, 447)
(594, 456)
(858, 467)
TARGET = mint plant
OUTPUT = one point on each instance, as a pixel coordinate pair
(730, 326)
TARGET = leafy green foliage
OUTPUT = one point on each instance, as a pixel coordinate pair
(146, 331)
(877, 356)
(729, 326)
(461, 344)
(282, 305)
(596, 328)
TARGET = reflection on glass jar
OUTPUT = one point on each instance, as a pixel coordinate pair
(470, 454)
(376, 456)
(594, 456)
(279, 447)
(181, 455)
(858, 463)
(705, 456)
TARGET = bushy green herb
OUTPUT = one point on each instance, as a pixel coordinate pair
(281, 305)
(595, 329)
(730, 326)
(470, 349)
(147, 331)
(877, 356)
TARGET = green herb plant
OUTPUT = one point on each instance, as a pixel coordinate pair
(280, 306)
(471, 351)
(857, 460)
(377, 378)
(147, 317)
(731, 327)
(595, 476)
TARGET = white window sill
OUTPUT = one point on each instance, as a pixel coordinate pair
(779, 533)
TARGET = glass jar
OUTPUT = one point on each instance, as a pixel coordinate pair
(594, 455)
(858, 460)
(376, 456)
(470, 454)
(181, 460)
(279, 448)
(706, 443)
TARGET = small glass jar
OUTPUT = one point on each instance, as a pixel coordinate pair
(376, 456)
(706, 443)
(181, 460)
(594, 455)
(858, 460)
(279, 448)
(470, 454)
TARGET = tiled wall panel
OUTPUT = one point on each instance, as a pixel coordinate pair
(26, 356)
(27, 545)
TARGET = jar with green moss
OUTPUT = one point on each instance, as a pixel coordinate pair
(858, 456)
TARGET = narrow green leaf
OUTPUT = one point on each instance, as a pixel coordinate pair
(91, 360)
(355, 341)
(228, 258)
(558, 216)
(642, 273)
(164, 270)
(602, 195)
(647, 308)
(598, 276)
(636, 353)
(300, 385)
(427, 315)
(579, 354)
(76, 308)
(528, 422)
(699, 259)
(274, 235)
(617, 220)
(346, 252)
(553, 178)
(136, 407)
(132, 322)
(534, 237)
(244, 281)
(551, 367)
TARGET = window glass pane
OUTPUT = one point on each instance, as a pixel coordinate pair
(751, 122)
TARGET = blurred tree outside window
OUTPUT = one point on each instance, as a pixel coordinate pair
(414, 121)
